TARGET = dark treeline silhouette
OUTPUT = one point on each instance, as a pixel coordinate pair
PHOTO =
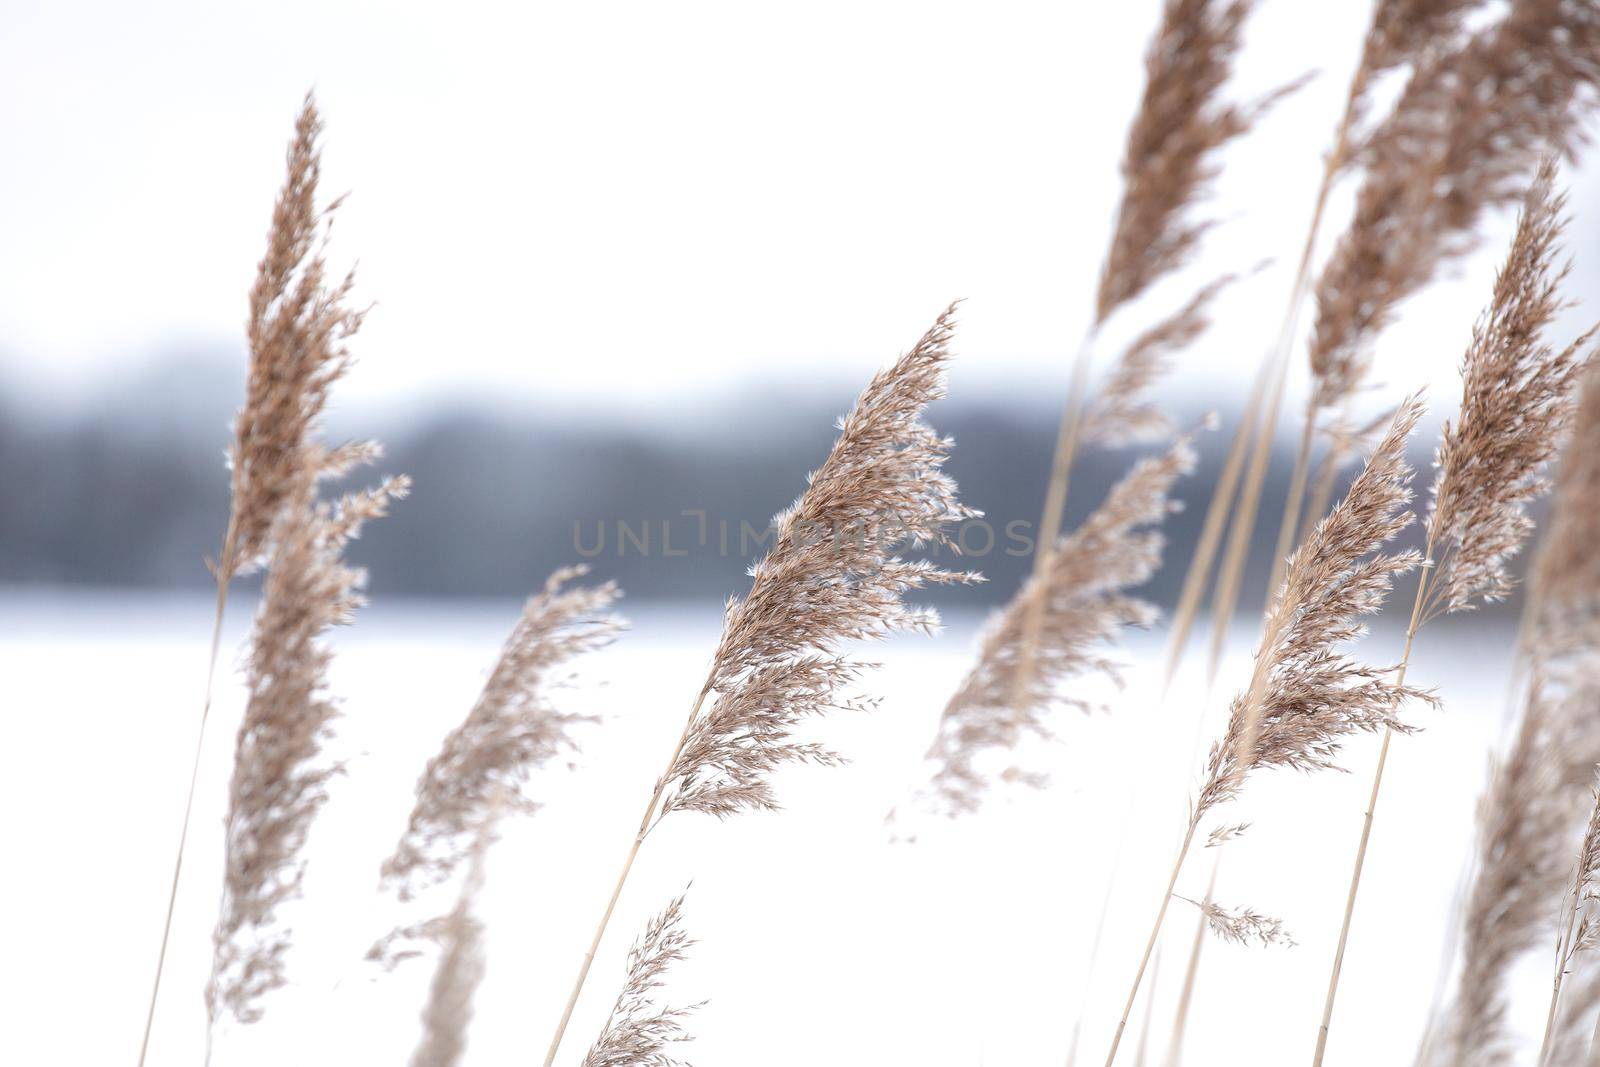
(131, 493)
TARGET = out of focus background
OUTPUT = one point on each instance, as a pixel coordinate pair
(628, 263)
(626, 260)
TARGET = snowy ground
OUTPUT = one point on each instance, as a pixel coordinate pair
(819, 940)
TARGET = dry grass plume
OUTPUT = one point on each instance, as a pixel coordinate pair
(835, 575)
(639, 1032)
(512, 729)
(1086, 599)
(279, 784)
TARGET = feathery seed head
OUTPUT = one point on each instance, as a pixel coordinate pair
(880, 490)
(278, 786)
(1305, 697)
(511, 730)
(1517, 394)
(1122, 413)
(1244, 926)
(639, 1031)
(1465, 135)
(1170, 158)
(1086, 601)
(298, 328)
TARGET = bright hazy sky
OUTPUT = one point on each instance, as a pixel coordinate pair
(632, 201)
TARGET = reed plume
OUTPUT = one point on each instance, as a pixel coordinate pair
(1170, 157)
(1562, 619)
(834, 575)
(1518, 394)
(1526, 821)
(1532, 807)
(1086, 598)
(1306, 698)
(1464, 137)
(1516, 398)
(1122, 412)
(1168, 165)
(638, 1032)
(460, 967)
(1241, 926)
(297, 330)
(1400, 31)
(512, 729)
(278, 784)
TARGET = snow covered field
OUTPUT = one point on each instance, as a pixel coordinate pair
(820, 941)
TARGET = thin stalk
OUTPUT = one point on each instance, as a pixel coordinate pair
(224, 578)
(1205, 549)
(1055, 503)
(1272, 631)
(1149, 1012)
(1570, 904)
(645, 826)
(1180, 1019)
(1244, 517)
(1372, 804)
(1230, 577)
(1267, 390)
(1549, 1022)
(1155, 935)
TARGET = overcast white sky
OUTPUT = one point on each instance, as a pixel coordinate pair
(605, 202)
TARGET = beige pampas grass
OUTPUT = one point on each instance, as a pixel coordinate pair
(1532, 808)
(278, 783)
(297, 331)
(1516, 398)
(1168, 165)
(1122, 412)
(833, 576)
(1305, 698)
(1086, 602)
(1170, 157)
(1518, 395)
(1399, 32)
(512, 730)
(298, 326)
(639, 1032)
(1526, 821)
(1464, 136)
(1402, 30)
